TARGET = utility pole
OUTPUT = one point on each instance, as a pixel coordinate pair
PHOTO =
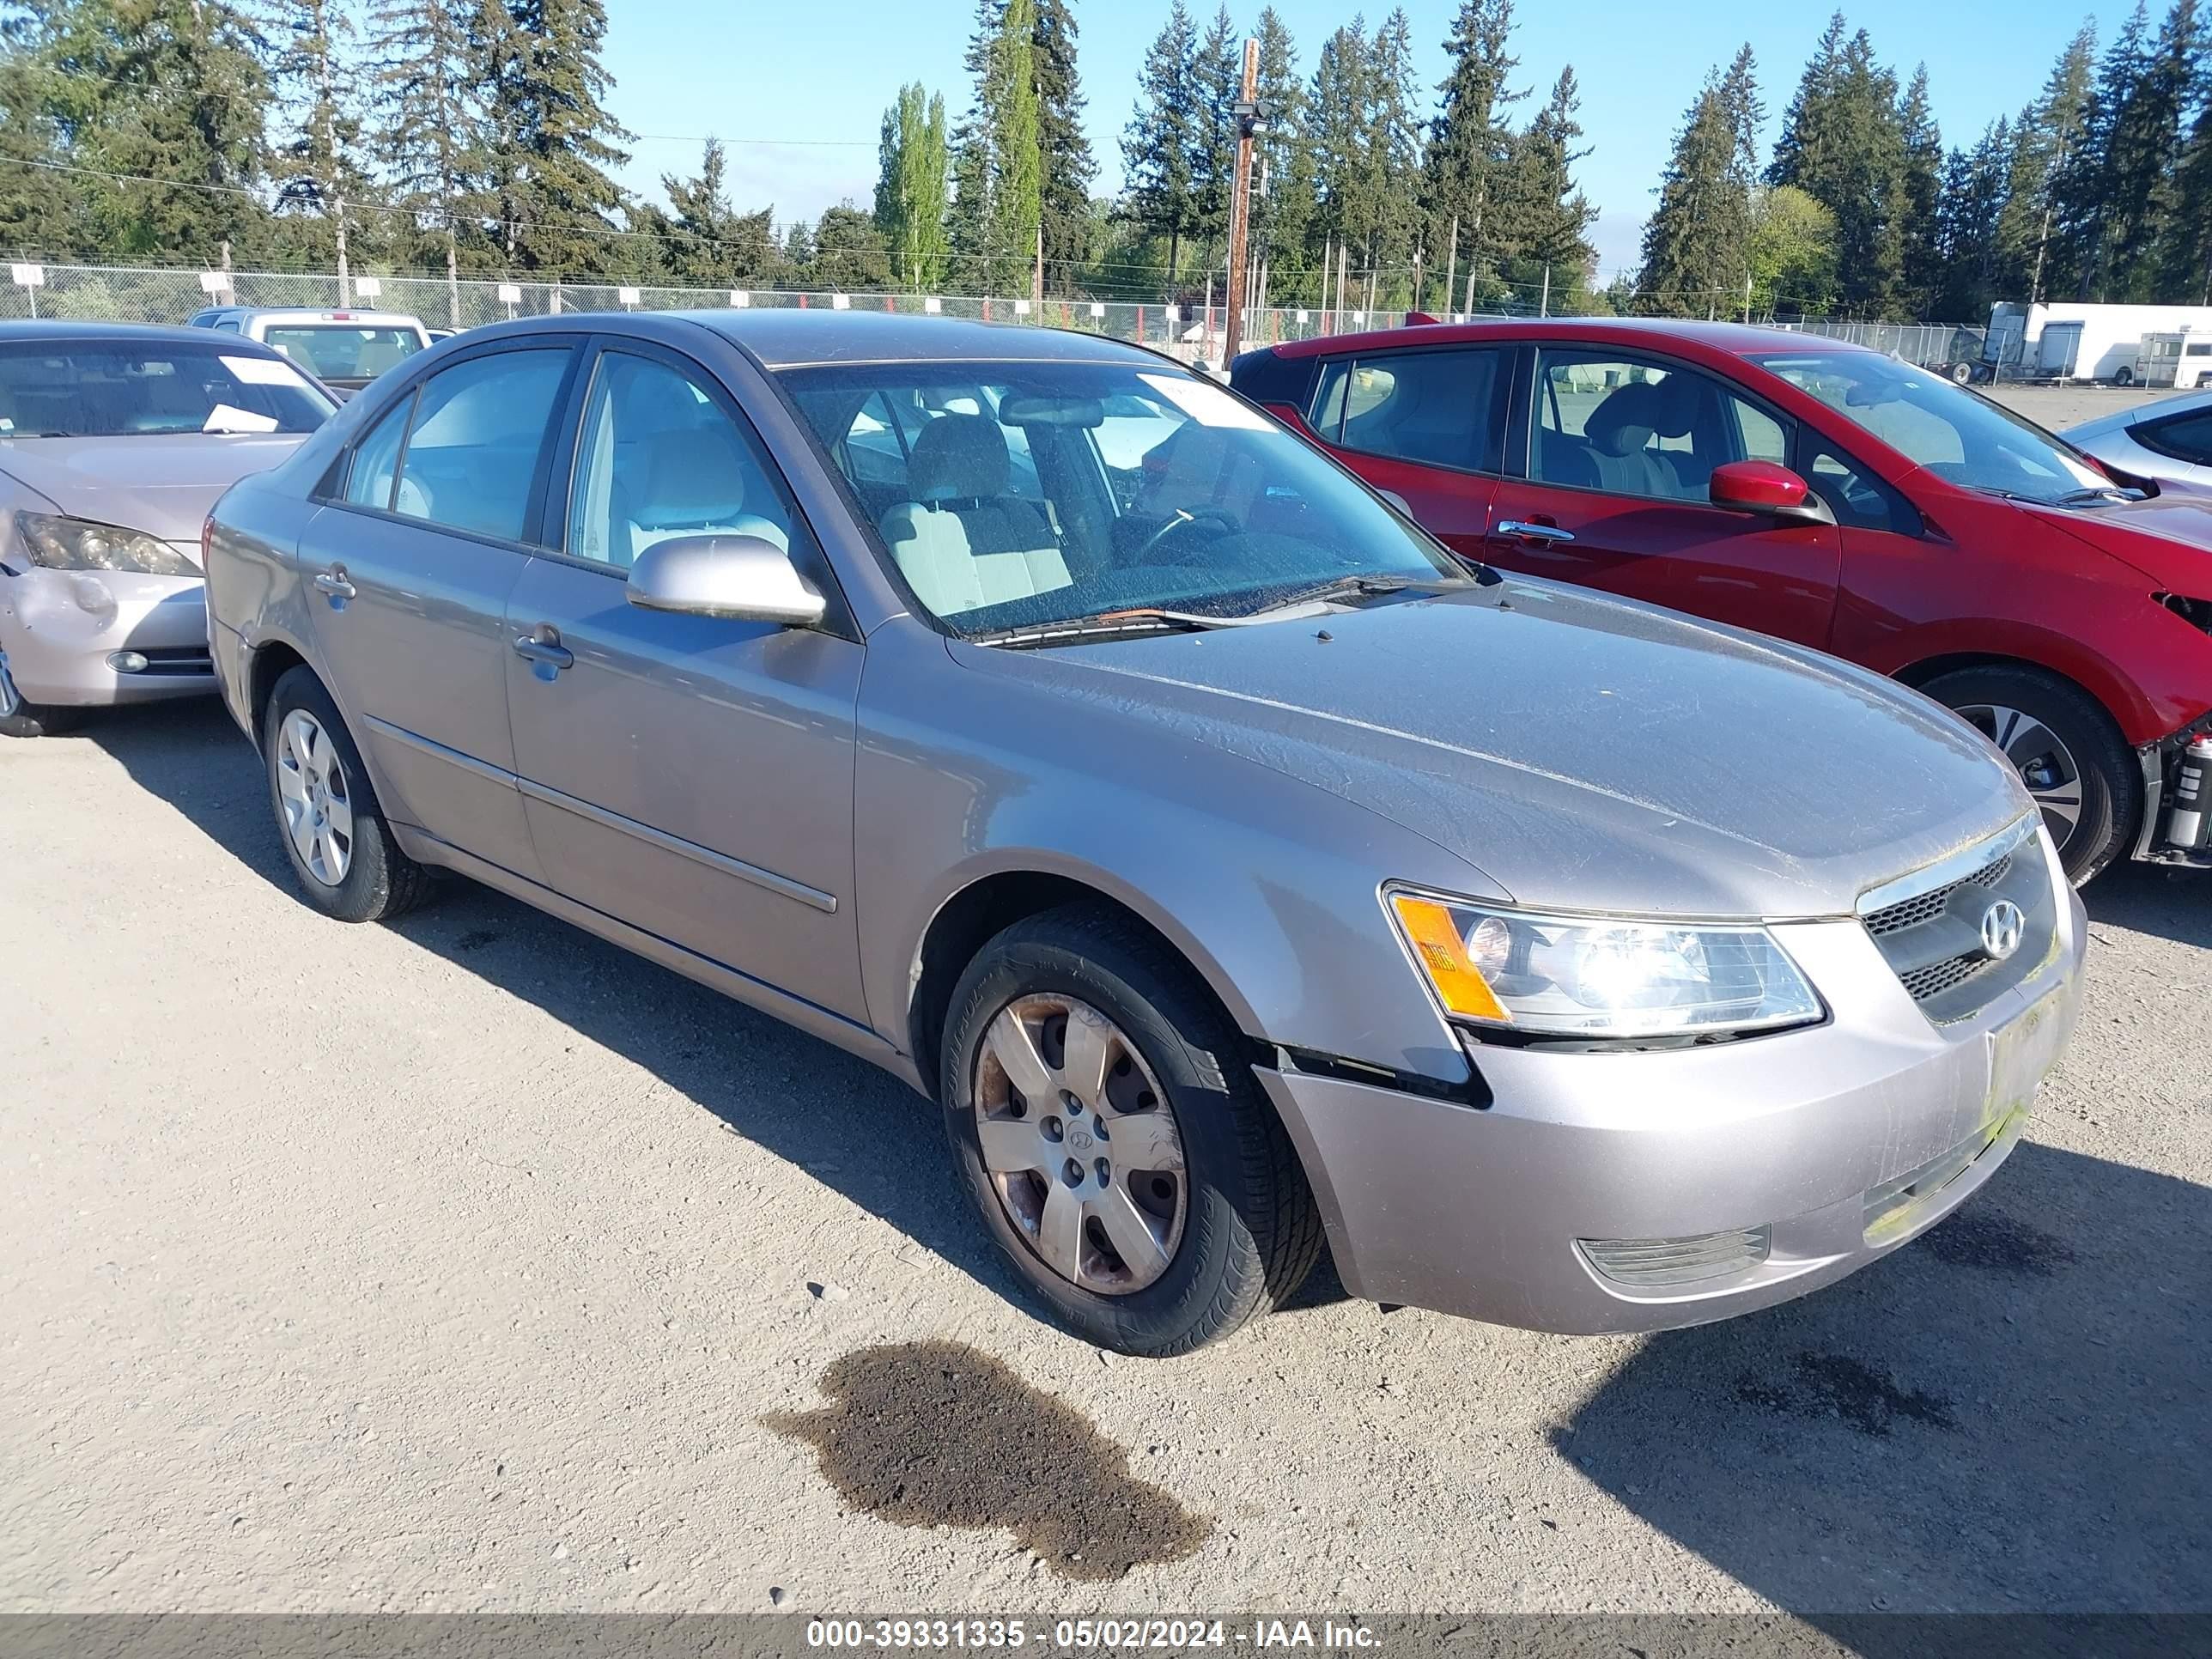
(1544, 300)
(1746, 297)
(1451, 263)
(1247, 111)
(1037, 274)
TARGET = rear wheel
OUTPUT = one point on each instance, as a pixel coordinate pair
(2124, 377)
(341, 849)
(1122, 1155)
(2068, 752)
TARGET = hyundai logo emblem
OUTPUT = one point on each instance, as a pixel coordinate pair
(2001, 927)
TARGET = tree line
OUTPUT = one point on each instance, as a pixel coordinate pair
(474, 137)
(2100, 188)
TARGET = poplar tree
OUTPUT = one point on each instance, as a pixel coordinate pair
(1018, 181)
(911, 195)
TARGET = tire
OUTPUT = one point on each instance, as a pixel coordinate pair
(2124, 377)
(1235, 1226)
(356, 875)
(2071, 756)
(20, 718)
(1961, 373)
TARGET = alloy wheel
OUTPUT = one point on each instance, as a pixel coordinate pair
(1080, 1144)
(316, 796)
(2046, 765)
(11, 700)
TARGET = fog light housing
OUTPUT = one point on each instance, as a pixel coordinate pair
(1657, 1263)
(126, 662)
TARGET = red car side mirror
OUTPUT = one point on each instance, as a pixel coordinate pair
(1773, 491)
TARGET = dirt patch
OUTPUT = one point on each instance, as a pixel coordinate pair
(935, 1434)
(1830, 1385)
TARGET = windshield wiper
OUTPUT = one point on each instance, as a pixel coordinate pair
(2099, 492)
(1106, 625)
(1345, 587)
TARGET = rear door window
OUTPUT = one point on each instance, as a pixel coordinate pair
(2185, 437)
(1441, 408)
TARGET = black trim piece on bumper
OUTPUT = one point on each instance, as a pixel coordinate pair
(1474, 1093)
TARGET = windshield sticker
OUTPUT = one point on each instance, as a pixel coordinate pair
(1209, 405)
(228, 417)
(262, 371)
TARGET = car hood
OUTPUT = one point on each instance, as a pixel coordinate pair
(1584, 752)
(161, 484)
(2168, 538)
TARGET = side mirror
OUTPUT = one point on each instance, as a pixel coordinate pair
(1774, 492)
(742, 578)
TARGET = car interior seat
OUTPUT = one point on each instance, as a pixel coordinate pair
(1621, 430)
(963, 542)
(695, 485)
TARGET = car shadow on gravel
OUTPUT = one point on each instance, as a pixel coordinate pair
(2008, 1414)
(2143, 898)
(850, 1125)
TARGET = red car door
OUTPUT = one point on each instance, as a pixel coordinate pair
(1620, 453)
(1428, 425)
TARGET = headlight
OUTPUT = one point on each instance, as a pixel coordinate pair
(1598, 977)
(62, 543)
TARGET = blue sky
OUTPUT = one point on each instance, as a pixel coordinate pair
(784, 70)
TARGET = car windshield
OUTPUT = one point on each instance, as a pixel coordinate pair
(100, 390)
(341, 351)
(1954, 432)
(1016, 495)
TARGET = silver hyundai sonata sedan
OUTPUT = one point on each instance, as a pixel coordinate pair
(1235, 868)
(115, 439)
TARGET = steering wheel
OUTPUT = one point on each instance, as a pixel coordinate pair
(1183, 518)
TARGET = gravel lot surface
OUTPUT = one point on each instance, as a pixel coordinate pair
(2058, 407)
(469, 1263)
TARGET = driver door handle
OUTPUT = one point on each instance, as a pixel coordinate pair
(1533, 533)
(542, 645)
(334, 582)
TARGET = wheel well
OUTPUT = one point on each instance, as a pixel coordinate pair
(1919, 674)
(969, 919)
(271, 662)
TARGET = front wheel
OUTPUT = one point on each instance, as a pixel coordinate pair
(342, 854)
(2124, 377)
(2068, 754)
(1123, 1157)
(21, 717)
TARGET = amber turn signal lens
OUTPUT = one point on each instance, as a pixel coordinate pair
(1435, 939)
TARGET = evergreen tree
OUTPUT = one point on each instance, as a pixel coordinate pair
(1809, 140)
(1394, 156)
(1695, 241)
(1283, 192)
(1974, 205)
(1843, 143)
(552, 138)
(2185, 247)
(1344, 212)
(1919, 196)
(1218, 80)
(910, 196)
(426, 104)
(1018, 178)
(698, 239)
(1470, 139)
(2036, 249)
(1069, 167)
(2092, 214)
(849, 249)
(1161, 137)
(2143, 141)
(1551, 245)
(969, 220)
(316, 167)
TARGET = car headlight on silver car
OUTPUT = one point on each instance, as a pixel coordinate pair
(1597, 976)
(65, 544)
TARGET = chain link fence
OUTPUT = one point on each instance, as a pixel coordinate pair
(153, 295)
(114, 293)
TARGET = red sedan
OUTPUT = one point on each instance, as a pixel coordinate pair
(1798, 487)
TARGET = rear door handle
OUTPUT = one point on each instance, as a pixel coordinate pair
(543, 647)
(334, 582)
(1533, 533)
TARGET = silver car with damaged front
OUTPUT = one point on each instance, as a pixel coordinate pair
(1235, 867)
(114, 442)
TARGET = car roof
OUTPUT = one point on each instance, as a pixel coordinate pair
(1737, 340)
(789, 338)
(2178, 403)
(346, 313)
(63, 331)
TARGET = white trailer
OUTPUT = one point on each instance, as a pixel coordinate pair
(2180, 360)
(2072, 341)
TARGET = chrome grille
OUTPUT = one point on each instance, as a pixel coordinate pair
(1928, 925)
(1911, 912)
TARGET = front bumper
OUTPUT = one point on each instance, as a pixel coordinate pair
(1804, 1134)
(60, 628)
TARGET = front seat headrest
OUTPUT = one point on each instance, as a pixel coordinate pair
(1626, 420)
(1678, 406)
(959, 458)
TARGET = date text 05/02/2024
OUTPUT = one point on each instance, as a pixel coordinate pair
(1083, 1634)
